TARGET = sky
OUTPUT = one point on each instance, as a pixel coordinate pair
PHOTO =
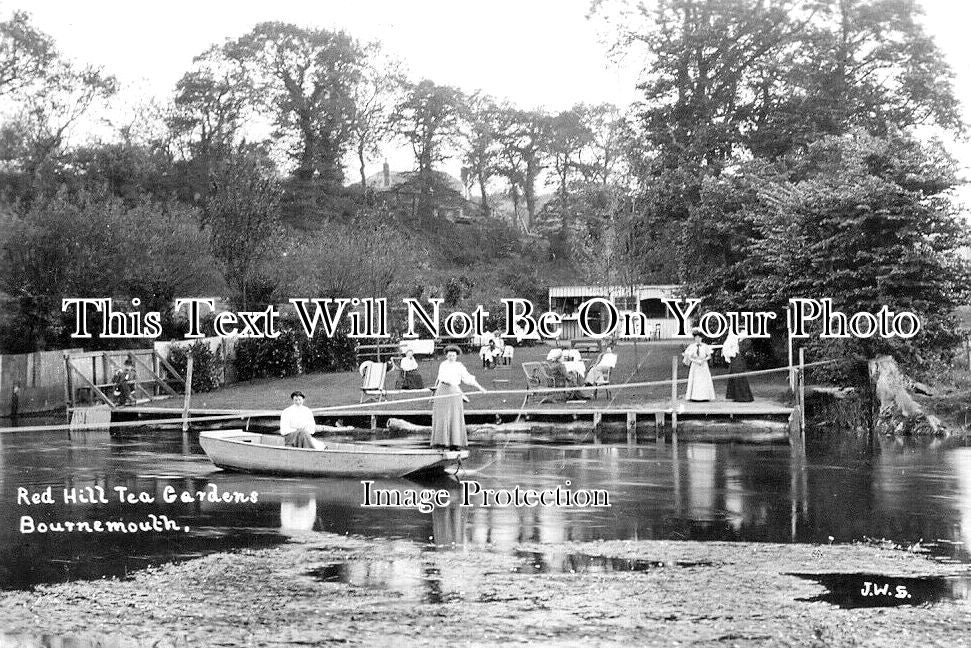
(535, 53)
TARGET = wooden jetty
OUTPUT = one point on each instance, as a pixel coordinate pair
(759, 421)
(764, 421)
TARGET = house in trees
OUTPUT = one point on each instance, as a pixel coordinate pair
(645, 299)
(402, 190)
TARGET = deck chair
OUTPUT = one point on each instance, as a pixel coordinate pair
(372, 381)
(602, 383)
(599, 375)
(538, 378)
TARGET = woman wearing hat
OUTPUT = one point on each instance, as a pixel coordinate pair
(696, 356)
(734, 350)
(297, 423)
(410, 376)
(448, 410)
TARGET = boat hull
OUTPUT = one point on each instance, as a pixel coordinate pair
(250, 452)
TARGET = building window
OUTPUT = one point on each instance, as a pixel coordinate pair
(626, 303)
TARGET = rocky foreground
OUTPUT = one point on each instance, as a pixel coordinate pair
(330, 590)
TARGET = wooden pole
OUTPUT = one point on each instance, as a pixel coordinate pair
(68, 389)
(792, 372)
(802, 395)
(674, 381)
(188, 395)
(674, 397)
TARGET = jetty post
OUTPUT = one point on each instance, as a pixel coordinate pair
(792, 369)
(674, 394)
(188, 394)
(802, 397)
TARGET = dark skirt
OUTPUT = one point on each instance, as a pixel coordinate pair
(448, 417)
(738, 388)
(411, 380)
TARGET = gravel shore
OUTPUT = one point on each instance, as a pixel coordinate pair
(323, 589)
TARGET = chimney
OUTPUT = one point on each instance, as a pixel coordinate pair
(387, 175)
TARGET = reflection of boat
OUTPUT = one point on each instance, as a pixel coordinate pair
(266, 453)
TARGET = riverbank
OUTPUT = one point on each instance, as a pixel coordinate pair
(324, 589)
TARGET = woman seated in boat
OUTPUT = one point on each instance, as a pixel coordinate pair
(410, 377)
(448, 409)
(297, 423)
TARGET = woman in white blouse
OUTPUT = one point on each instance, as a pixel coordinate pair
(696, 356)
(448, 410)
(410, 377)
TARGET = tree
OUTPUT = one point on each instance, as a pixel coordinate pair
(568, 135)
(374, 99)
(728, 80)
(480, 125)
(367, 257)
(26, 54)
(94, 245)
(859, 64)
(211, 103)
(307, 77)
(428, 119)
(525, 138)
(603, 152)
(243, 215)
(53, 93)
(860, 219)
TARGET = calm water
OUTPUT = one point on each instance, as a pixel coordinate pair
(840, 491)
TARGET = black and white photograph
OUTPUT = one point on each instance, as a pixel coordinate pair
(459, 323)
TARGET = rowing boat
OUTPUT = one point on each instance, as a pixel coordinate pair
(266, 453)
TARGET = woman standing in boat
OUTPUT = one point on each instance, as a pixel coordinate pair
(448, 410)
(734, 351)
(696, 356)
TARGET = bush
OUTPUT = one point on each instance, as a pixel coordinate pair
(267, 357)
(207, 368)
(322, 353)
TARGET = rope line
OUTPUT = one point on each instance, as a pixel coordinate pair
(243, 414)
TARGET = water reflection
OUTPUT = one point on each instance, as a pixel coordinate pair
(960, 465)
(840, 489)
(298, 515)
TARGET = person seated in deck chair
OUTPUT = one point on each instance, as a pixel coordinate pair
(601, 369)
(560, 374)
(124, 380)
(297, 423)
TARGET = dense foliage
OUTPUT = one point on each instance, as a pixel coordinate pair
(207, 367)
(773, 152)
(268, 357)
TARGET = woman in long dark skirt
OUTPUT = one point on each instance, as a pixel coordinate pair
(448, 408)
(734, 351)
(410, 377)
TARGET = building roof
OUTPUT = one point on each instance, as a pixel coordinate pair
(378, 182)
(641, 290)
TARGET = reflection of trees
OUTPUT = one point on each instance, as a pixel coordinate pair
(960, 459)
(726, 492)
